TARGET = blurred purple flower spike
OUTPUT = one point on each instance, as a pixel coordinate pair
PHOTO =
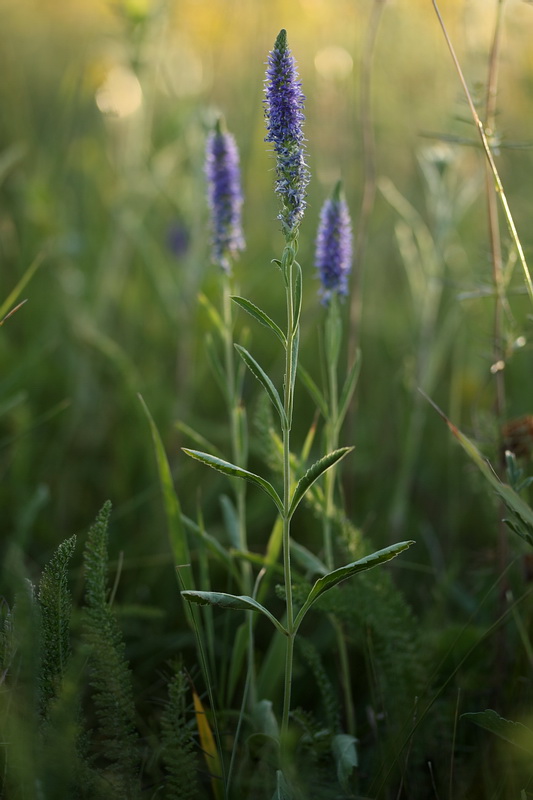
(334, 245)
(224, 196)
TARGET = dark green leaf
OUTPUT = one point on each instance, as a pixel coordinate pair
(513, 732)
(263, 378)
(261, 316)
(345, 754)
(236, 602)
(313, 473)
(236, 472)
(330, 580)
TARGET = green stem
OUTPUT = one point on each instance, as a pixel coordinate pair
(332, 443)
(287, 403)
(239, 457)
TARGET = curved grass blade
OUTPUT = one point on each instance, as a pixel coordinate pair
(209, 748)
(511, 499)
(236, 602)
(236, 472)
(313, 473)
(15, 293)
(261, 317)
(314, 391)
(265, 381)
(330, 580)
(196, 437)
(349, 388)
(176, 532)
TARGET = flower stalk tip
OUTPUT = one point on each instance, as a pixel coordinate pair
(224, 195)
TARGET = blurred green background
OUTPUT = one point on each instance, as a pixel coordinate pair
(104, 111)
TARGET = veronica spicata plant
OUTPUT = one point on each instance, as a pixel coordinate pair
(224, 196)
(284, 118)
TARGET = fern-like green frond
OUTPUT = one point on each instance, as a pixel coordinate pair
(178, 744)
(109, 672)
(55, 603)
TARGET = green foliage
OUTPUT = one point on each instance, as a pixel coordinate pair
(179, 747)
(55, 603)
(109, 673)
(330, 702)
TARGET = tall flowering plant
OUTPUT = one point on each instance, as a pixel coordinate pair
(284, 105)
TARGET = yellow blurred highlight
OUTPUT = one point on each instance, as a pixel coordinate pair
(208, 746)
(120, 94)
(333, 63)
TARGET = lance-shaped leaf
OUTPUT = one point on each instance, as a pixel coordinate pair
(261, 317)
(314, 391)
(313, 473)
(236, 472)
(265, 381)
(237, 602)
(330, 580)
(297, 297)
(513, 732)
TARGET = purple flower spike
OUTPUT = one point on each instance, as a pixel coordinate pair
(284, 105)
(334, 245)
(224, 196)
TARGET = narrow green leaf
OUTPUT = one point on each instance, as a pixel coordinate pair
(197, 438)
(261, 317)
(313, 473)
(176, 533)
(513, 732)
(216, 365)
(236, 472)
(330, 580)
(512, 500)
(26, 278)
(265, 381)
(348, 389)
(297, 297)
(309, 439)
(307, 560)
(231, 520)
(295, 347)
(344, 751)
(314, 391)
(214, 316)
(233, 601)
